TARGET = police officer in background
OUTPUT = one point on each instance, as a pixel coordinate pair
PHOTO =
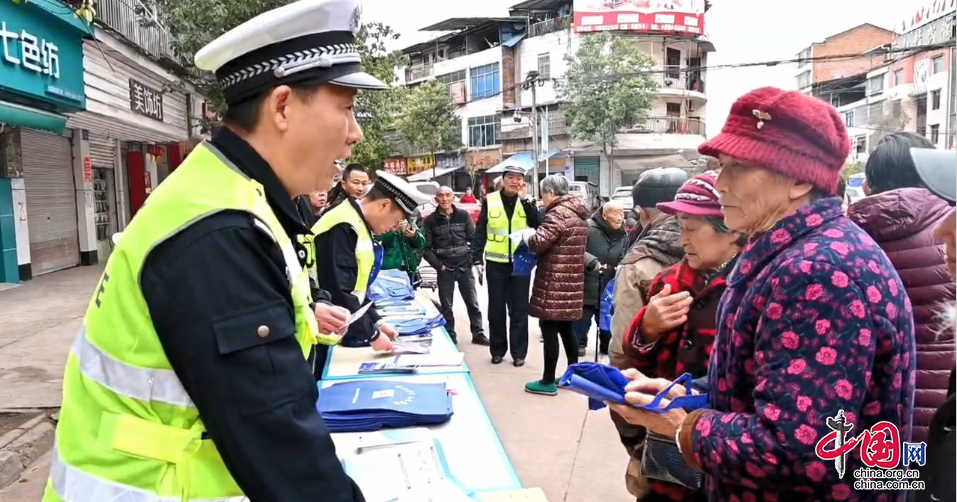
(190, 378)
(350, 258)
(505, 212)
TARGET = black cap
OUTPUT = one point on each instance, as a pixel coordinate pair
(657, 185)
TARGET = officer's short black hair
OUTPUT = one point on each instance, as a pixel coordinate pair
(246, 115)
(351, 168)
(890, 165)
(377, 193)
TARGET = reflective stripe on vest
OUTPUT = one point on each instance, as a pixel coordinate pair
(345, 212)
(77, 486)
(307, 244)
(498, 246)
(128, 430)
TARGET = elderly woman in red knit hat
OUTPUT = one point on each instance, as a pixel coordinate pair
(815, 329)
(673, 333)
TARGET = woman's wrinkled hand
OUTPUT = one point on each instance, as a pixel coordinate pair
(665, 311)
(655, 386)
(665, 424)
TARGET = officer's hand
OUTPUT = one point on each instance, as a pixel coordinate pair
(331, 319)
(382, 344)
(480, 270)
(389, 331)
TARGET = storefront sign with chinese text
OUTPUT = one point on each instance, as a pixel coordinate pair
(449, 160)
(146, 101)
(87, 169)
(416, 165)
(939, 31)
(480, 160)
(395, 166)
(41, 58)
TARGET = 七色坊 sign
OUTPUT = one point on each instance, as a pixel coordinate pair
(42, 54)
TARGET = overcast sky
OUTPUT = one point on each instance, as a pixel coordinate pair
(743, 31)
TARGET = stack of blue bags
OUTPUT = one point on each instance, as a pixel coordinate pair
(391, 287)
(394, 298)
(369, 405)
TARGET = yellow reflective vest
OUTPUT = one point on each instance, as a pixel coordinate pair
(498, 247)
(345, 212)
(128, 430)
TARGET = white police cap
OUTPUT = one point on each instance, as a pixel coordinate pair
(406, 195)
(305, 42)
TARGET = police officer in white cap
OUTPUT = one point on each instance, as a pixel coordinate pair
(190, 378)
(349, 257)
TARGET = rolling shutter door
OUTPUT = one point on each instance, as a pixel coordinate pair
(51, 201)
(102, 151)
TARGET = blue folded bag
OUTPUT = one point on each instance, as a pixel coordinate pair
(602, 383)
(607, 306)
(523, 261)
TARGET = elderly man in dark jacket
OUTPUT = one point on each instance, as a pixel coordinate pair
(606, 242)
(448, 235)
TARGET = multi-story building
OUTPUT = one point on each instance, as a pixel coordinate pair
(540, 35)
(909, 88)
(93, 122)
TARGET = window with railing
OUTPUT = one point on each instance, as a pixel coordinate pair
(803, 58)
(804, 79)
(450, 78)
(485, 81)
(544, 66)
(483, 131)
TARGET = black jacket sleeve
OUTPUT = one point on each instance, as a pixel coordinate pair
(478, 243)
(429, 253)
(533, 216)
(337, 269)
(212, 290)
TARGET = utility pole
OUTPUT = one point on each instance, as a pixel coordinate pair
(530, 83)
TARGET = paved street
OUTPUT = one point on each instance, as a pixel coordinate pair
(553, 442)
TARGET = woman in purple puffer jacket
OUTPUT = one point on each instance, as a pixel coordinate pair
(900, 214)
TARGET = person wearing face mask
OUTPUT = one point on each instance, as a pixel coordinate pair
(606, 242)
(189, 379)
(814, 323)
(349, 258)
(674, 332)
(938, 171)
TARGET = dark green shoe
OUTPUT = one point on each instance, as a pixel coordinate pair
(545, 389)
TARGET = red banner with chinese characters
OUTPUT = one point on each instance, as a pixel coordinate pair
(395, 166)
(641, 16)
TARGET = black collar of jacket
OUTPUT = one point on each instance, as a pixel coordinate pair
(358, 207)
(248, 160)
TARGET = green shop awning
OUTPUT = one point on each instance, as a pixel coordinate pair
(14, 114)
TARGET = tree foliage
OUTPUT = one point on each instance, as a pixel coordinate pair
(194, 23)
(427, 121)
(606, 88)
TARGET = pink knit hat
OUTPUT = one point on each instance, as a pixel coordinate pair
(697, 197)
(790, 133)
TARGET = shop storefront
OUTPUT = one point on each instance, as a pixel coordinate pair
(41, 80)
(479, 161)
(135, 125)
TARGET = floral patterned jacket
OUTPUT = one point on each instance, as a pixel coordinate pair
(815, 320)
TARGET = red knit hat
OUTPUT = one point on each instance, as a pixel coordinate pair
(697, 197)
(790, 133)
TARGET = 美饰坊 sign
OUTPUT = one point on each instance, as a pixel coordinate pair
(42, 56)
(146, 101)
(672, 16)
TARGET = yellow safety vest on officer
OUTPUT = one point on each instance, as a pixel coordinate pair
(128, 430)
(345, 212)
(498, 246)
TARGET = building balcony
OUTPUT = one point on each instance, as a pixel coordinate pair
(523, 129)
(672, 125)
(549, 26)
(136, 22)
(419, 72)
(680, 83)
